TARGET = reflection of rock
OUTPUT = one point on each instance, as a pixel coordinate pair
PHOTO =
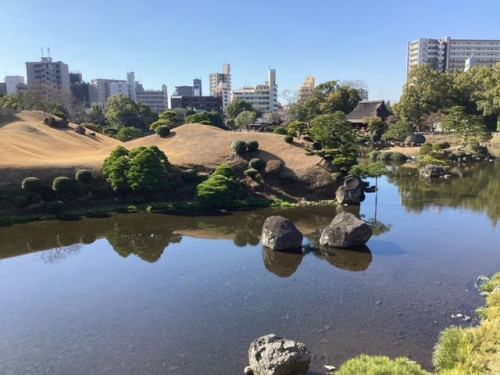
(345, 230)
(280, 263)
(272, 355)
(352, 192)
(353, 259)
(279, 233)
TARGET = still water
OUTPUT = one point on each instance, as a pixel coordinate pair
(159, 294)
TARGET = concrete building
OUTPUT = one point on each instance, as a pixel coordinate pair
(48, 71)
(220, 81)
(450, 54)
(306, 90)
(13, 84)
(197, 103)
(197, 90)
(3, 88)
(263, 97)
(156, 99)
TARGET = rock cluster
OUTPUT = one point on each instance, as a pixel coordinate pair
(273, 355)
(352, 191)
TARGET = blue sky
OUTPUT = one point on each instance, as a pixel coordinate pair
(173, 42)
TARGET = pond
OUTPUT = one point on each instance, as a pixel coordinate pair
(160, 294)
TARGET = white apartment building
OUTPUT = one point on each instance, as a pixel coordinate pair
(306, 90)
(12, 84)
(450, 54)
(263, 97)
(220, 80)
(156, 99)
(47, 71)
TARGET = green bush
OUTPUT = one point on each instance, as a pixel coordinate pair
(83, 175)
(289, 138)
(94, 127)
(226, 171)
(398, 156)
(31, 184)
(252, 146)
(218, 192)
(251, 172)
(373, 154)
(257, 163)
(384, 156)
(281, 131)
(190, 174)
(377, 365)
(239, 147)
(62, 184)
(441, 146)
(426, 149)
(163, 130)
(427, 159)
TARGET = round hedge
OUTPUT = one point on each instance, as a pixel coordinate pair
(62, 184)
(281, 131)
(288, 138)
(239, 147)
(256, 163)
(163, 131)
(252, 146)
(31, 184)
(83, 175)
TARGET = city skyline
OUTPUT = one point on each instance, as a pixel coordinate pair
(171, 43)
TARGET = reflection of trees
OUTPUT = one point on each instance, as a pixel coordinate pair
(280, 263)
(476, 187)
(59, 254)
(148, 243)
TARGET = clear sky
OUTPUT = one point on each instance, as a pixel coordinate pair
(172, 42)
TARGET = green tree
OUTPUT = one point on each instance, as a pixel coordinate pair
(170, 118)
(245, 119)
(148, 170)
(236, 107)
(297, 128)
(206, 118)
(221, 190)
(398, 131)
(121, 110)
(334, 131)
(469, 129)
(128, 134)
(96, 115)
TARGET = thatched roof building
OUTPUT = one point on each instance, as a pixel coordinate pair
(368, 108)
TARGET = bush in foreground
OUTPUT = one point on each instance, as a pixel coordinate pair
(239, 147)
(376, 365)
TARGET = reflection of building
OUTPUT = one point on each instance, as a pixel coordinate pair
(306, 90)
(263, 97)
(48, 71)
(449, 54)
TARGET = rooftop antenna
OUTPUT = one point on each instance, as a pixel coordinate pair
(42, 52)
(48, 52)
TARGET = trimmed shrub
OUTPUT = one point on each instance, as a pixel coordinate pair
(281, 131)
(373, 154)
(218, 192)
(83, 175)
(163, 130)
(31, 184)
(239, 147)
(398, 156)
(274, 166)
(257, 163)
(372, 365)
(426, 149)
(251, 172)
(441, 146)
(62, 184)
(190, 174)
(93, 127)
(252, 146)
(288, 138)
(427, 159)
(226, 171)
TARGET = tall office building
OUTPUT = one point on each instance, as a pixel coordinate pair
(197, 91)
(220, 81)
(264, 97)
(48, 71)
(450, 54)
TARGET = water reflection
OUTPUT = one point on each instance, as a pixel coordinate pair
(353, 259)
(281, 263)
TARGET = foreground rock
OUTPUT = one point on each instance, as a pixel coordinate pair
(279, 233)
(432, 171)
(345, 230)
(273, 355)
(352, 192)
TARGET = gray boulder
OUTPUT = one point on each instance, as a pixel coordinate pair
(279, 233)
(345, 230)
(415, 139)
(352, 191)
(273, 355)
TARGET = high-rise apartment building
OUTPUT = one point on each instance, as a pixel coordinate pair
(48, 71)
(264, 97)
(450, 54)
(306, 90)
(220, 81)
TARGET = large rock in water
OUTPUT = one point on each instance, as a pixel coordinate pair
(345, 230)
(279, 233)
(432, 171)
(273, 355)
(352, 192)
